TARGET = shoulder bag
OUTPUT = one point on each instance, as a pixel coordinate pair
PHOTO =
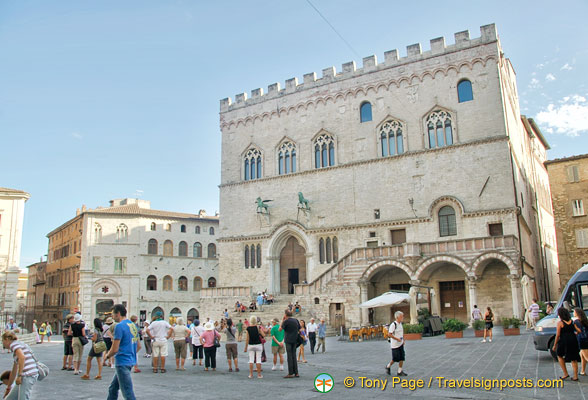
(99, 345)
(42, 368)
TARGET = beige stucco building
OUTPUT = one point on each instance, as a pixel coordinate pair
(416, 173)
(12, 205)
(569, 189)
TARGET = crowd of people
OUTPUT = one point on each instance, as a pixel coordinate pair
(192, 339)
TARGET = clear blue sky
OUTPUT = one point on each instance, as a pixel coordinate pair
(102, 99)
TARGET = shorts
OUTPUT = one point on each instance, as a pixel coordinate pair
(489, 325)
(180, 348)
(398, 354)
(255, 351)
(278, 349)
(67, 348)
(232, 352)
(159, 349)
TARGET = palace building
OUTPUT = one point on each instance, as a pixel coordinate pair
(417, 174)
(149, 260)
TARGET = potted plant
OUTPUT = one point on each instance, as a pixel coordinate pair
(413, 331)
(478, 326)
(511, 326)
(454, 328)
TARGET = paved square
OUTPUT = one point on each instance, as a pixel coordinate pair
(505, 358)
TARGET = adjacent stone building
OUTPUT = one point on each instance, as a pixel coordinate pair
(149, 260)
(416, 173)
(12, 205)
(569, 190)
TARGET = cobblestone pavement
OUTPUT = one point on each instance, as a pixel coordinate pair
(512, 357)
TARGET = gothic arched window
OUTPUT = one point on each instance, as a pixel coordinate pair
(287, 158)
(391, 138)
(97, 233)
(122, 233)
(252, 164)
(324, 151)
(439, 129)
(464, 91)
(182, 284)
(153, 226)
(197, 230)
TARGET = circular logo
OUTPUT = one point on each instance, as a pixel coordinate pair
(324, 383)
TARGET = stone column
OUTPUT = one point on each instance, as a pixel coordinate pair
(274, 274)
(473, 289)
(436, 309)
(515, 287)
(363, 297)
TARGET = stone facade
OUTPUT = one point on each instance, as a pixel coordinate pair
(569, 189)
(12, 204)
(410, 182)
(119, 265)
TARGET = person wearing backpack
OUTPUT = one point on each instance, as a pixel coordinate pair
(582, 323)
(396, 335)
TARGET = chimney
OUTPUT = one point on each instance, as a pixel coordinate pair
(77, 212)
(84, 208)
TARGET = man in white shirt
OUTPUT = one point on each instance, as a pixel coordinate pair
(312, 328)
(534, 312)
(159, 331)
(476, 313)
(396, 337)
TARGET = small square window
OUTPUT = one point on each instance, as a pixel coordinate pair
(372, 234)
(495, 229)
(377, 213)
(398, 236)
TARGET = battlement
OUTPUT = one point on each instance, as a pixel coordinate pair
(391, 59)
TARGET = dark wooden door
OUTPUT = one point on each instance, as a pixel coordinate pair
(453, 300)
(292, 257)
(292, 279)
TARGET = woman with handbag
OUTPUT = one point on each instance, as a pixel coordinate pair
(77, 331)
(253, 346)
(210, 339)
(98, 348)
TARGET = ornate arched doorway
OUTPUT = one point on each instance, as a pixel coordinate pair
(292, 265)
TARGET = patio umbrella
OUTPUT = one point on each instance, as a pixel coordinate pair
(385, 300)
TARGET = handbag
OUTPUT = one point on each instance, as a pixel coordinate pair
(83, 340)
(216, 342)
(42, 368)
(99, 345)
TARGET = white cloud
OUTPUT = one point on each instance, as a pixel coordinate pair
(549, 77)
(566, 67)
(77, 135)
(534, 84)
(568, 117)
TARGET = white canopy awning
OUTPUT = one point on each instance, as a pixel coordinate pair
(385, 300)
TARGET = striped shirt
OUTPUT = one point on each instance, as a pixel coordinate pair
(30, 366)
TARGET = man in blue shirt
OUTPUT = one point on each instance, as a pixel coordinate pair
(322, 334)
(260, 301)
(124, 350)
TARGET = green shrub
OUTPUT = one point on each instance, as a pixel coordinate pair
(510, 322)
(478, 325)
(454, 325)
(413, 328)
(424, 312)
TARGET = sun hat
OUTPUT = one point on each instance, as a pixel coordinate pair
(109, 320)
(77, 317)
(209, 326)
